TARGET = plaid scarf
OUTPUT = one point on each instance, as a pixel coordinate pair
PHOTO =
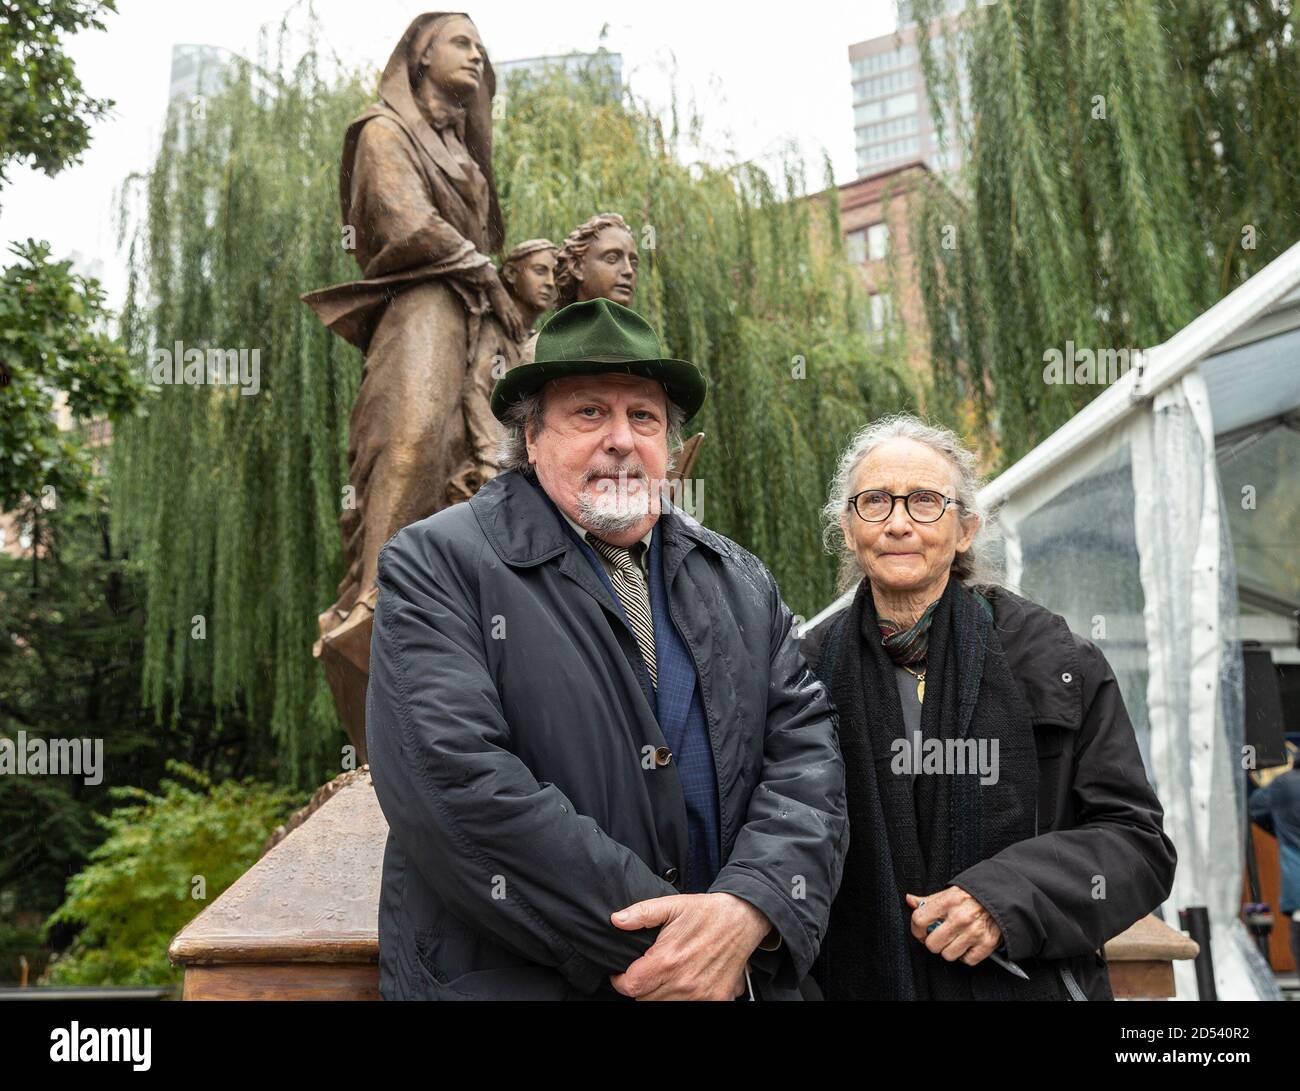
(907, 646)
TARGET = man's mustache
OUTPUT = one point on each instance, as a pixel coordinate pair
(633, 473)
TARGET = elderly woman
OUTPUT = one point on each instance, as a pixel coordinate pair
(1002, 825)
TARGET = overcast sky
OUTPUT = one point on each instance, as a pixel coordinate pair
(762, 76)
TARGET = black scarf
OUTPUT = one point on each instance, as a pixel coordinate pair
(903, 843)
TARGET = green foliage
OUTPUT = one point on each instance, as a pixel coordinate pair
(1122, 161)
(47, 832)
(53, 341)
(138, 890)
(71, 645)
(233, 501)
(45, 113)
(19, 941)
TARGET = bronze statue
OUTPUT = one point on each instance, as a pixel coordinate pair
(598, 258)
(419, 201)
(529, 275)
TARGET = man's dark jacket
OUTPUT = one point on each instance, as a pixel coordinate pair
(1101, 859)
(513, 752)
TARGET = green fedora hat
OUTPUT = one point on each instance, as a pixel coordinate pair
(599, 337)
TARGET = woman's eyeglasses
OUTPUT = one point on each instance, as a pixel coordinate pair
(923, 505)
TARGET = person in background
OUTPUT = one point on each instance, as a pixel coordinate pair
(1275, 808)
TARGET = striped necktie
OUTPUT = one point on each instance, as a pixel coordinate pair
(629, 582)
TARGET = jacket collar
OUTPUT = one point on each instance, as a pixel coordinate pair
(525, 528)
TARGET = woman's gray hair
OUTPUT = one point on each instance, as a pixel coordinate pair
(527, 416)
(979, 565)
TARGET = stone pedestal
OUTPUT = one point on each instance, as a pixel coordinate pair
(1142, 960)
(302, 923)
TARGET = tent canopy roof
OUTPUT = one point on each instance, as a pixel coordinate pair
(1267, 306)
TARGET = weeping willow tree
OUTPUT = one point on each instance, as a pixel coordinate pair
(1126, 165)
(234, 499)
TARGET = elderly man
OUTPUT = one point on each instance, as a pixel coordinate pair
(605, 766)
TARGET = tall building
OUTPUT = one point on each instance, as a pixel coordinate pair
(891, 110)
(198, 70)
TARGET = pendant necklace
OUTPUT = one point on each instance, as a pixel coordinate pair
(920, 682)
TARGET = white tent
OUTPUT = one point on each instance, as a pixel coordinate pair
(1161, 522)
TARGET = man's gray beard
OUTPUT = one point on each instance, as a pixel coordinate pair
(609, 523)
(603, 520)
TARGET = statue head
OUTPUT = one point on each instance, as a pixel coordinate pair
(449, 54)
(440, 72)
(529, 275)
(598, 260)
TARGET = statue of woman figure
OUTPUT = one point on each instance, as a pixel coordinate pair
(420, 206)
(528, 272)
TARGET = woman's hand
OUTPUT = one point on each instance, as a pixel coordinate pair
(967, 932)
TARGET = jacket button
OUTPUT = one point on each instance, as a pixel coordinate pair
(663, 756)
(1067, 678)
(670, 875)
